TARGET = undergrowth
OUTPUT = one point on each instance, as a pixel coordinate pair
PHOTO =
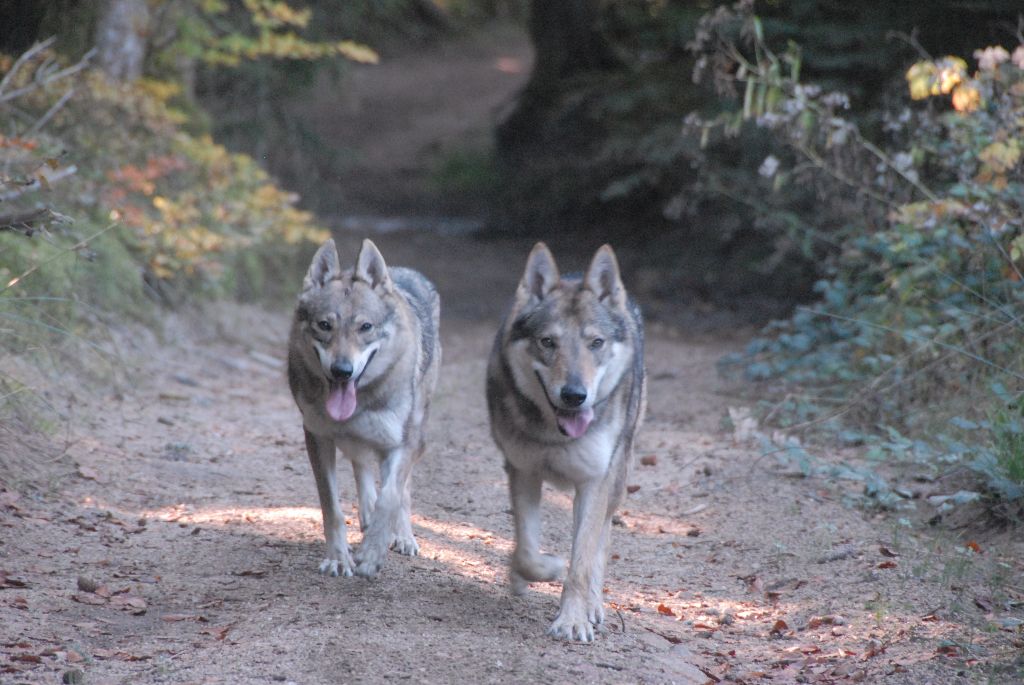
(918, 225)
(110, 211)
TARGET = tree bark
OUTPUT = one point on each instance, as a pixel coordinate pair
(121, 39)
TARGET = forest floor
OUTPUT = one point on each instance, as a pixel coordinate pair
(168, 530)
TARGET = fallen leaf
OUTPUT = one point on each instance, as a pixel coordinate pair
(250, 572)
(632, 488)
(931, 618)
(216, 632)
(134, 605)
(974, 547)
(649, 460)
(88, 473)
(7, 581)
(27, 658)
(778, 627)
(666, 611)
(887, 564)
(826, 620)
(173, 618)
(886, 552)
(88, 598)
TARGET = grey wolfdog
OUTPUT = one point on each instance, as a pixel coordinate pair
(566, 391)
(363, 359)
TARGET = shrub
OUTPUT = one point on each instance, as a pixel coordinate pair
(920, 235)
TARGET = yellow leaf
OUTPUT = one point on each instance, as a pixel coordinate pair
(966, 98)
(1000, 157)
(919, 78)
(358, 52)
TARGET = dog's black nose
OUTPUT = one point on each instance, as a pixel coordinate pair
(341, 370)
(574, 395)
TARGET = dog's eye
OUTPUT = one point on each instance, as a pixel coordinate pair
(547, 343)
(324, 325)
(597, 343)
(365, 327)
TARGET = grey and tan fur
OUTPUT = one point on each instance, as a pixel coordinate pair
(566, 393)
(363, 359)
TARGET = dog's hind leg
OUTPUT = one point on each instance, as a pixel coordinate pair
(394, 474)
(528, 564)
(322, 457)
(366, 486)
(595, 599)
(403, 541)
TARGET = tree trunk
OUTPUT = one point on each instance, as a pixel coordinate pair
(566, 40)
(566, 44)
(121, 39)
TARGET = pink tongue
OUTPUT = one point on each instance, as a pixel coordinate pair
(575, 423)
(341, 403)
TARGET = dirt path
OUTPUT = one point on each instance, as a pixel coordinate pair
(181, 537)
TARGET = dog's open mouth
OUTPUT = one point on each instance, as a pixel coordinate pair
(574, 422)
(341, 400)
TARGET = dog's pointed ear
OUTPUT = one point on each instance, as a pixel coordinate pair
(371, 269)
(540, 276)
(603, 278)
(324, 267)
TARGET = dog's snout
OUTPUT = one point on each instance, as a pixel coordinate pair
(574, 395)
(342, 370)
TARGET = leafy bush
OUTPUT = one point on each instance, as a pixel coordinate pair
(922, 229)
(111, 160)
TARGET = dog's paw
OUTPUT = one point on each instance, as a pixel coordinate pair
(595, 614)
(336, 567)
(518, 584)
(369, 561)
(538, 568)
(405, 544)
(572, 623)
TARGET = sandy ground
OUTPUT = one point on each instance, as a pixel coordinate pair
(179, 535)
(168, 531)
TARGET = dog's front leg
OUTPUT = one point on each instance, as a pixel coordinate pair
(576, 618)
(394, 472)
(528, 564)
(322, 456)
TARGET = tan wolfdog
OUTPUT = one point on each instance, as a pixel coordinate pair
(566, 391)
(363, 360)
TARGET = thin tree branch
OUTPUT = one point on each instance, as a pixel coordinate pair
(36, 184)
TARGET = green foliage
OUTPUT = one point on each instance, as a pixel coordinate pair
(919, 316)
(125, 206)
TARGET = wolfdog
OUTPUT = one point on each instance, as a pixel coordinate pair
(566, 392)
(363, 360)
